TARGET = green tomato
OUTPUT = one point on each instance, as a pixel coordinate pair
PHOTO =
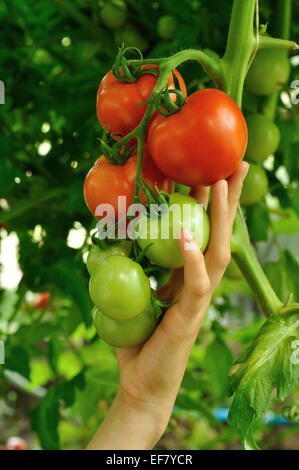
(164, 250)
(263, 137)
(180, 188)
(96, 255)
(130, 37)
(119, 288)
(126, 333)
(233, 271)
(114, 14)
(269, 72)
(167, 26)
(255, 185)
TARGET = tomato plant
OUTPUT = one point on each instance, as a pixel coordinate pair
(114, 13)
(233, 271)
(163, 249)
(119, 107)
(106, 182)
(126, 333)
(167, 26)
(201, 143)
(96, 255)
(269, 72)
(255, 185)
(52, 57)
(119, 288)
(263, 137)
(131, 37)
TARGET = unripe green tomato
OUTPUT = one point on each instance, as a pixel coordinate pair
(119, 288)
(255, 185)
(263, 137)
(269, 72)
(114, 13)
(167, 26)
(164, 250)
(233, 271)
(96, 255)
(130, 37)
(126, 333)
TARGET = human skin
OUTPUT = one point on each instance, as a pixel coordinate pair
(151, 373)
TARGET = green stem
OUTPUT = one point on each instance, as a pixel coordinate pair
(283, 17)
(241, 43)
(245, 256)
(267, 42)
(29, 203)
(270, 106)
(211, 65)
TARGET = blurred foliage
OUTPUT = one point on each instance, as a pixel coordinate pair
(57, 372)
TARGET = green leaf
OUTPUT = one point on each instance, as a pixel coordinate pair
(45, 418)
(284, 276)
(287, 223)
(71, 280)
(266, 363)
(258, 222)
(17, 359)
(218, 361)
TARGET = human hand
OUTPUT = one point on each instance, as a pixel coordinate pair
(151, 373)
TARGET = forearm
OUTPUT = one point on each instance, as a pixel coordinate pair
(125, 429)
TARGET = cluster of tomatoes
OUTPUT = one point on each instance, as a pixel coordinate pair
(268, 74)
(114, 16)
(202, 142)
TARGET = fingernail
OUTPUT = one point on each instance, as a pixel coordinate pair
(189, 242)
(245, 168)
(224, 189)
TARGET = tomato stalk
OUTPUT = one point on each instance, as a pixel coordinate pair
(244, 254)
(237, 59)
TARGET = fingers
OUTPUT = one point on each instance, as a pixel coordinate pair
(201, 193)
(218, 252)
(196, 279)
(235, 183)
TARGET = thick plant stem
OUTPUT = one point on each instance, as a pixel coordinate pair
(240, 47)
(283, 16)
(245, 256)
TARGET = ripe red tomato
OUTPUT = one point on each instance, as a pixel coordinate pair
(118, 103)
(105, 182)
(42, 300)
(203, 142)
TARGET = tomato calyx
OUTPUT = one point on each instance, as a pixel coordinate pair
(113, 151)
(128, 72)
(152, 197)
(167, 106)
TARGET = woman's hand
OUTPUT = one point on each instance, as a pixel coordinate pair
(151, 374)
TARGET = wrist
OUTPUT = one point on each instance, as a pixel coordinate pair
(144, 421)
(128, 427)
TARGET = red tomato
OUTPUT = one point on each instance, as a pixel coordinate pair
(42, 300)
(105, 182)
(203, 142)
(117, 101)
(16, 443)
